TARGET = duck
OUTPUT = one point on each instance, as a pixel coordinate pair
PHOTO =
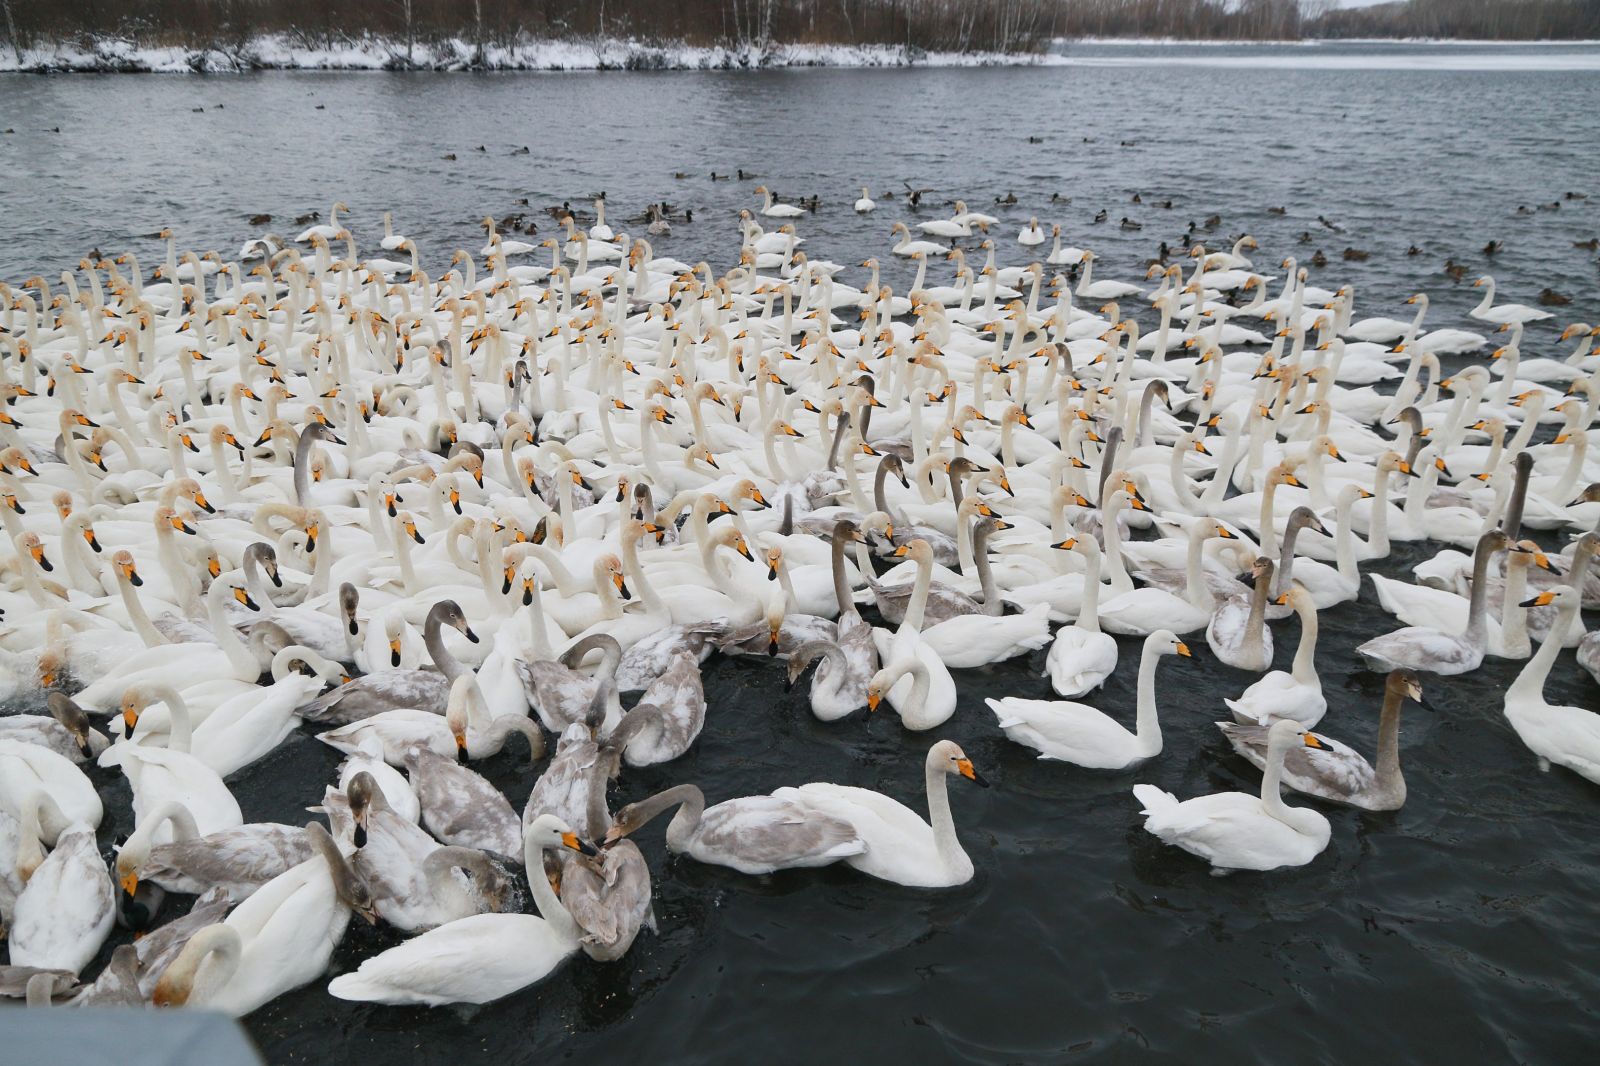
(1082, 735)
(1237, 830)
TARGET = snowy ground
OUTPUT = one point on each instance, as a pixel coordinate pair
(283, 53)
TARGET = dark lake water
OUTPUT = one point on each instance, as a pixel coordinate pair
(1460, 928)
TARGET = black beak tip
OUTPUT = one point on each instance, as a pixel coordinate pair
(360, 835)
(471, 635)
(979, 780)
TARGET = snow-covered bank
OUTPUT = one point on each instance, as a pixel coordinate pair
(281, 52)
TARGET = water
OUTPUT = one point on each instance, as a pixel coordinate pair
(1459, 927)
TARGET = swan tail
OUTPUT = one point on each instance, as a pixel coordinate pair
(359, 987)
(1155, 800)
(854, 846)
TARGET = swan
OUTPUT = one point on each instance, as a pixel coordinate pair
(62, 916)
(866, 203)
(171, 774)
(65, 731)
(1503, 314)
(1080, 734)
(1238, 831)
(776, 210)
(413, 880)
(751, 834)
(483, 957)
(1565, 736)
(1334, 771)
(1429, 650)
(1081, 657)
(280, 938)
(901, 847)
(423, 690)
(1295, 695)
(459, 806)
(238, 860)
(1237, 633)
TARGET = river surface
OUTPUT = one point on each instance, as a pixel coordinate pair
(1460, 928)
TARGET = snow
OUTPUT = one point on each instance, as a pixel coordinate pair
(283, 52)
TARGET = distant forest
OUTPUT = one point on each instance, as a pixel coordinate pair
(933, 25)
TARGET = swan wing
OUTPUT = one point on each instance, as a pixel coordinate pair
(471, 960)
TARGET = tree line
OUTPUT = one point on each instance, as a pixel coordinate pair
(934, 25)
(953, 25)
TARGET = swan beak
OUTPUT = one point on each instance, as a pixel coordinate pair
(133, 576)
(1226, 534)
(1282, 601)
(743, 549)
(583, 847)
(772, 569)
(461, 748)
(772, 641)
(244, 598)
(467, 632)
(1183, 650)
(873, 699)
(130, 719)
(967, 771)
(1544, 599)
(614, 834)
(394, 653)
(37, 551)
(1066, 545)
(1313, 741)
(622, 586)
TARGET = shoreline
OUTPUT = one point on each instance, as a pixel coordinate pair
(279, 52)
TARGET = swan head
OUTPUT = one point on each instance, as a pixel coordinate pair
(449, 613)
(549, 831)
(1406, 684)
(1287, 734)
(1166, 642)
(947, 757)
(1560, 597)
(33, 547)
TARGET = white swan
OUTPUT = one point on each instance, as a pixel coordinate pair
(481, 958)
(1081, 657)
(279, 939)
(1078, 733)
(1296, 695)
(1238, 831)
(901, 847)
(1566, 736)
